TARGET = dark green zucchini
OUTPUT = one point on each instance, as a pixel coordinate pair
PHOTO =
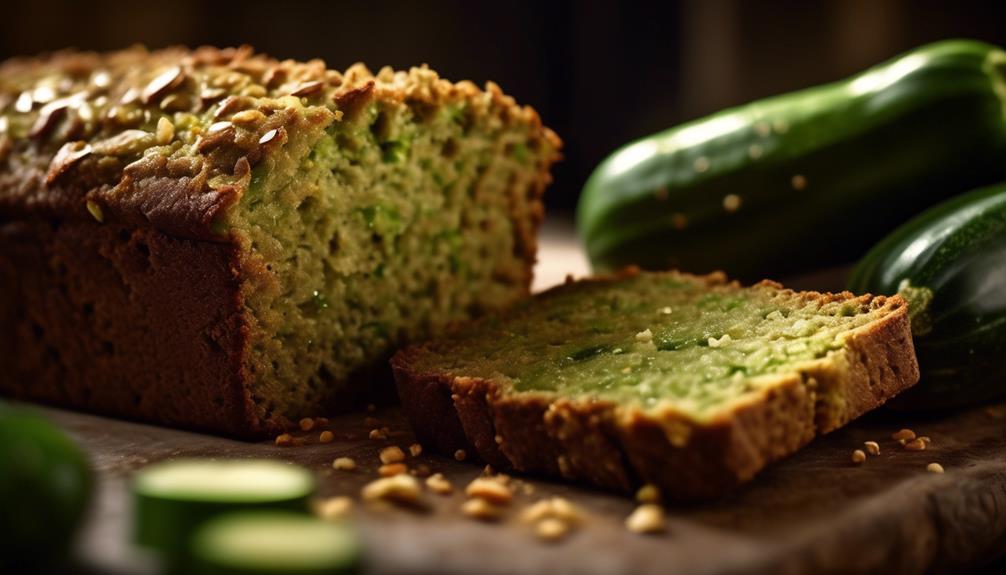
(804, 180)
(45, 489)
(950, 264)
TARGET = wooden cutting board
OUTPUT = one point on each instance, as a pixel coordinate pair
(814, 512)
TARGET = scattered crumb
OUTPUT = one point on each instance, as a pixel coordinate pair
(284, 439)
(378, 434)
(904, 434)
(460, 455)
(858, 456)
(490, 489)
(422, 470)
(934, 468)
(390, 469)
(648, 493)
(481, 509)
(333, 507)
(306, 424)
(392, 454)
(916, 445)
(402, 488)
(527, 488)
(439, 484)
(644, 336)
(415, 450)
(344, 464)
(372, 422)
(731, 202)
(551, 529)
(647, 518)
(498, 439)
(925, 439)
(320, 421)
(536, 511)
(872, 447)
(719, 342)
(326, 437)
(555, 507)
(487, 470)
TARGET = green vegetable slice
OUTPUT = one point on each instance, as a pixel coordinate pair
(274, 543)
(172, 498)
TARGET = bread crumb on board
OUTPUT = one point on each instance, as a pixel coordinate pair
(344, 464)
(439, 484)
(858, 456)
(389, 469)
(647, 518)
(481, 509)
(460, 455)
(648, 493)
(935, 468)
(903, 435)
(415, 450)
(326, 437)
(551, 529)
(306, 424)
(490, 489)
(392, 454)
(872, 447)
(401, 488)
(333, 508)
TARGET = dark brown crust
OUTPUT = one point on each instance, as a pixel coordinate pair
(132, 323)
(604, 444)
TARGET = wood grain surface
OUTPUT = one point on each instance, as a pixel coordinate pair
(815, 512)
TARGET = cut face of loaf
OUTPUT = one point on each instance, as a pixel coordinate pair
(691, 383)
(218, 240)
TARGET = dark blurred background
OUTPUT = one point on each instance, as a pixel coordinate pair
(600, 73)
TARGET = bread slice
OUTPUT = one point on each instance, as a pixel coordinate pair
(220, 240)
(688, 382)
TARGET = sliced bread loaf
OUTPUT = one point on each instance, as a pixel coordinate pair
(688, 382)
(219, 240)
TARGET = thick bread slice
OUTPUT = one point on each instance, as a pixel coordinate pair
(613, 441)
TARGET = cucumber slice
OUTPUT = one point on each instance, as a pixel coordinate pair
(172, 498)
(45, 488)
(273, 543)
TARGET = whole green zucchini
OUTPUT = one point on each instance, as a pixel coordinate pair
(950, 264)
(807, 179)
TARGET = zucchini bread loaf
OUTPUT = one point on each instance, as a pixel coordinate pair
(687, 382)
(218, 240)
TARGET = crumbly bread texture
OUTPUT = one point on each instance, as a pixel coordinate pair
(219, 240)
(690, 383)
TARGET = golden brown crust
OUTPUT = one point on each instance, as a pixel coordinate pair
(608, 445)
(79, 128)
